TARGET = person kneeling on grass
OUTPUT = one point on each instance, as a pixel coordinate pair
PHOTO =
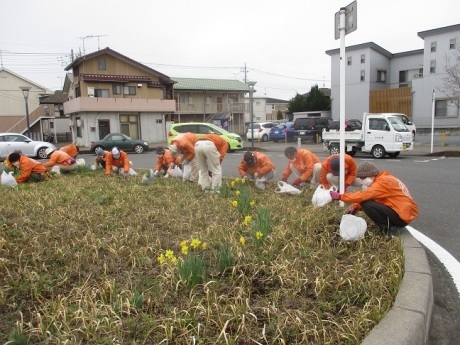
(118, 162)
(386, 201)
(61, 159)
(258, 167)
(165, 161)
(31, 170)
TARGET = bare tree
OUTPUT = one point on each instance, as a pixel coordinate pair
(451, 85)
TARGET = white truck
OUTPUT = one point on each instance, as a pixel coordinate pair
(381, 134)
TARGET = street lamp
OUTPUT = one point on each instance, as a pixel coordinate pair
(251, 112)
(25, 92)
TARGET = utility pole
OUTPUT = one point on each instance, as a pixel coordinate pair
(244, 69)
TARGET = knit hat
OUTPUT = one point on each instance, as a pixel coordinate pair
(335, 165)
(99, 151)
(160, 150)
(116, 152)
(367, 169)
(249, 158)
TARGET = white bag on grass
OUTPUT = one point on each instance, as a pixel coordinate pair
(56, 169)
(132, 172)
(322, 196)
(352, 228)
(286, 188)
(176, 172)
(148, 178)
(81, 162)
(8, 179)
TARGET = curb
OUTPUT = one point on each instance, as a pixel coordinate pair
(408, 321)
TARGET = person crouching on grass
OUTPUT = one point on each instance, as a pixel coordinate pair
(165, 161)
(386, 201)
(116, 161)
(258, 167)
(31, 170)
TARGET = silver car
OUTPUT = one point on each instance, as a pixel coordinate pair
(15, 142)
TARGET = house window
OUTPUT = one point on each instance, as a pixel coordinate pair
(101, 64)
(101, 93)
(363, 58)
(433, 66)
(433, 46)
(184, 98)
(363, 75)
(129, 90)
(233, 98)
(381, 76)
(349, 61)
(402, 76)
(78, 128)
(116, 89)
(129, 125)
(452, 43)
(445, 108)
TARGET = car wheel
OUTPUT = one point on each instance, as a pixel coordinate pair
(378, 152)
(334, 150)
(138, 148)
(394, 154)
(97, 147)
(41, 153)
(351, 153)
(265, 137)
(228, 148)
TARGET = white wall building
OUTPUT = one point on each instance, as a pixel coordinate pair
(370, 67)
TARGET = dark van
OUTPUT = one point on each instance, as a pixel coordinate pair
(310, 128)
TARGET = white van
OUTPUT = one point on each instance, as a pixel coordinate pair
(409, 124)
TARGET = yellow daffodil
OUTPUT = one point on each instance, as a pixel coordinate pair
(169, 253)
(232, 184)
(237, 192)
(243, 181)
(161, 259)
(183, 244)
(184, 250)
(195, 243)
(252, 203)
(173, 260)
(247, 220)
(259, 235)
(237, 180)
(234, 203)
(203, 245)
(242, 240)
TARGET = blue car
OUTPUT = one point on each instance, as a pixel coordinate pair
(279, 132)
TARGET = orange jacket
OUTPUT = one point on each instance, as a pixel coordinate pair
(71, 150)
(166, 160)
(59, 157)
(185, 143)
(387, 190)
(121, 162)
(98, 160)
(350, 169)
(221, 144)
(28, 166)
(262, 166)
(304, 163)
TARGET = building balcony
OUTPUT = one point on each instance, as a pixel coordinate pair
(95, 104)
(210, 108)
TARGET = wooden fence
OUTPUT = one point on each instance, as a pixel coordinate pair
(398, 100)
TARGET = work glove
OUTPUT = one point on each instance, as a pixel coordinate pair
(256, 175)
(155, 173)
(335, 195)
(185, 162)
(297, 182)
(284, 179)
(352, 210)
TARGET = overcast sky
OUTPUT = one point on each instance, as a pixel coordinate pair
(282, 43)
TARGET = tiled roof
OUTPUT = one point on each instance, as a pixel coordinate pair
(210, 84)
(58, 97)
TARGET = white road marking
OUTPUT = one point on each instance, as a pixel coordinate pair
(451, 264)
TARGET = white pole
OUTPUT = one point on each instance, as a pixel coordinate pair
(433, 97)
(342, 102)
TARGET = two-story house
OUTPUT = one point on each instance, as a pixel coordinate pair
(266, 109)
(111, 93)
(379, 81)
(220, 101)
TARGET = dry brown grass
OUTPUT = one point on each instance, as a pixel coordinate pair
(79, 264)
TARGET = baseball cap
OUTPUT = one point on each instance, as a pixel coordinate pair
(249, 158)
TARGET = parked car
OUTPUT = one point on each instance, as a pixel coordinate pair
(409, 124)
(279, 132)
(259, 131)
(235, 142)
(350, 125)
(15, 142)
(122, 141)
(310, 128)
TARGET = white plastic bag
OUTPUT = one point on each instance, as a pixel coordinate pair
(322, 196)
(81, 162)
(148, 178)
(352, 228)
(56, 169)
(186, 171)
(132, 172)
(284, 187)
(8, 179)
(176, 172)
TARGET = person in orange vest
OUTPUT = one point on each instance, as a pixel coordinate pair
(60, 159)
(101, 158)
(72, 150)
(258, 167)
(184, 145)
(31, 170)
(330, 171)
(386, 201)
(210, 151)
(304, 164)
(116, 161)
(165, 161)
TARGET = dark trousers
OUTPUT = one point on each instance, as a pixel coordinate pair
(383, 216)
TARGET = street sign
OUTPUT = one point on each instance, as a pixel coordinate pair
(350, 20)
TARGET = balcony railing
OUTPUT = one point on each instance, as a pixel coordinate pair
(96, 104)
(211, 108)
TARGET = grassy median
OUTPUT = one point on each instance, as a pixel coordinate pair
(88, 259)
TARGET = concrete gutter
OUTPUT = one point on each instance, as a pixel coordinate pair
(408, 321)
